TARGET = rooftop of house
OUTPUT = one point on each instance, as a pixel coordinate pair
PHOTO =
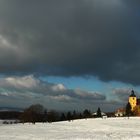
(120, 110)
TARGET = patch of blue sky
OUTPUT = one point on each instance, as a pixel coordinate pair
(88, 84)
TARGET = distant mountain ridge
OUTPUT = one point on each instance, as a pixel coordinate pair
(11, 109)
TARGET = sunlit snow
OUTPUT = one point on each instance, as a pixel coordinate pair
(90, 129)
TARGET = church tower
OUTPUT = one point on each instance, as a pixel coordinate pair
(133, 100)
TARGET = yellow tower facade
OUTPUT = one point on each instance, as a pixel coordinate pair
(133, 100)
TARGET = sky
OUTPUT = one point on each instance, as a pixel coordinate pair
(69, 55)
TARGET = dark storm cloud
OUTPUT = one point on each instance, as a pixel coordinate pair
(71, 38)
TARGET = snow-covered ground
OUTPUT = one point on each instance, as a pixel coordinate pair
(90, 129)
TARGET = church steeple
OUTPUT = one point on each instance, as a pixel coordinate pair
(132, 93)
(132, 100)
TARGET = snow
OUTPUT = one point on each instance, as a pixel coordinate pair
(90, 129)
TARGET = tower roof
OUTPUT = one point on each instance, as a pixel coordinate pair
(132, 94)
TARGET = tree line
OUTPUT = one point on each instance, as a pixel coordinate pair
(37, 113)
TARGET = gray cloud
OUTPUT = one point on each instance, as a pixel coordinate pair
(123, 93)
(30, 90)
(71, 38)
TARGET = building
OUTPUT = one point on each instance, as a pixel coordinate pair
(102, 113)
(135, 104)
(120, 112)
(133, 100)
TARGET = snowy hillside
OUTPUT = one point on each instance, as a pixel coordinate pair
(91, 129)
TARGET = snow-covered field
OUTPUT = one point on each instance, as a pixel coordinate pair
(90, 129)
